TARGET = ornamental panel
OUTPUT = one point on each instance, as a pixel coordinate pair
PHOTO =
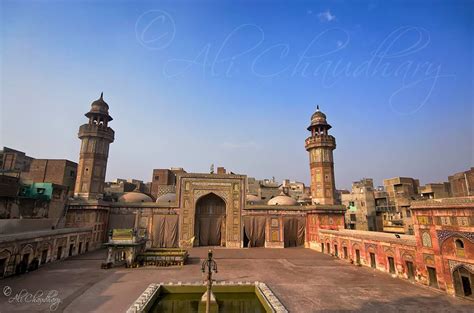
(426, 239)
(429, 259)
(424, 220)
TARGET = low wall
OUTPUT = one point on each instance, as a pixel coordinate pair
(23, 252)
(357, 246)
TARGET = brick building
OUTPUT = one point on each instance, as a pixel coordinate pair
(400, 192)
(164, 181)
(462, 184)
(60, 172)
(12, 160)
(360, 204)
(440, 254)
(435, 191)
(263, 189)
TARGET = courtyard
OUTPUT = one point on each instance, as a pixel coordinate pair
(304, 281)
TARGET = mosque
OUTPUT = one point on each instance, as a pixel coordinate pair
(204, 209)
(214, 209)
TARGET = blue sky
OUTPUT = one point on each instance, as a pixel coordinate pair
(235, 84)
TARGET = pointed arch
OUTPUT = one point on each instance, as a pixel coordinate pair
(210, 220)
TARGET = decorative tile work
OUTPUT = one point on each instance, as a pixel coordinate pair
(445, 234)
(455, 264)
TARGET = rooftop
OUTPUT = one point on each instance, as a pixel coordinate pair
(445, 203)
(373, 235)
(41, 233)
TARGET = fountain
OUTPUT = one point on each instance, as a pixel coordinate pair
(208, 300)
(208, 296)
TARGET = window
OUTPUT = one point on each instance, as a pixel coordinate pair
(391, 263)
(433, 278)
(353, 217)
(72, 173)
(372, 260)
(459, 247)
(57, 193)
(157, 177)
(408, 213)
(459, 244)
(410, 270)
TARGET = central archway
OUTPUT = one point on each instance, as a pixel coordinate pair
(209, 227)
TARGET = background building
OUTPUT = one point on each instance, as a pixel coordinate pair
(435, 191)
(462, 184)
(360, 204)
(164, 181)
(264, 189)
(12, 160)
(400, 192)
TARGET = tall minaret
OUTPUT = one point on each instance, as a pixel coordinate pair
(96, 137)
(320, 146)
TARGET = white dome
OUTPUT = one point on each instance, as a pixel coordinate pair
(282, 200)
(134, 196)
(168, 197)
(252, 198)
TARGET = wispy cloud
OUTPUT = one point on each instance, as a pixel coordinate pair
(326, 16)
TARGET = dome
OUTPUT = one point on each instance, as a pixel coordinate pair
(252, 198)
(133, 196)
(168, 197)
(319, 119)
(318, 116)
(282, 199)
(100, 107)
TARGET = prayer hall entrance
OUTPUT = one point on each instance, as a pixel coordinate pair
(209, 227)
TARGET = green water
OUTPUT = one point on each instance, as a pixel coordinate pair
(228, 302)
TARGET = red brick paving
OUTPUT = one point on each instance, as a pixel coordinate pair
(304, 280)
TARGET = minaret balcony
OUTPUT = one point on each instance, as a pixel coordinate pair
(88, 130)
(317, 141)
